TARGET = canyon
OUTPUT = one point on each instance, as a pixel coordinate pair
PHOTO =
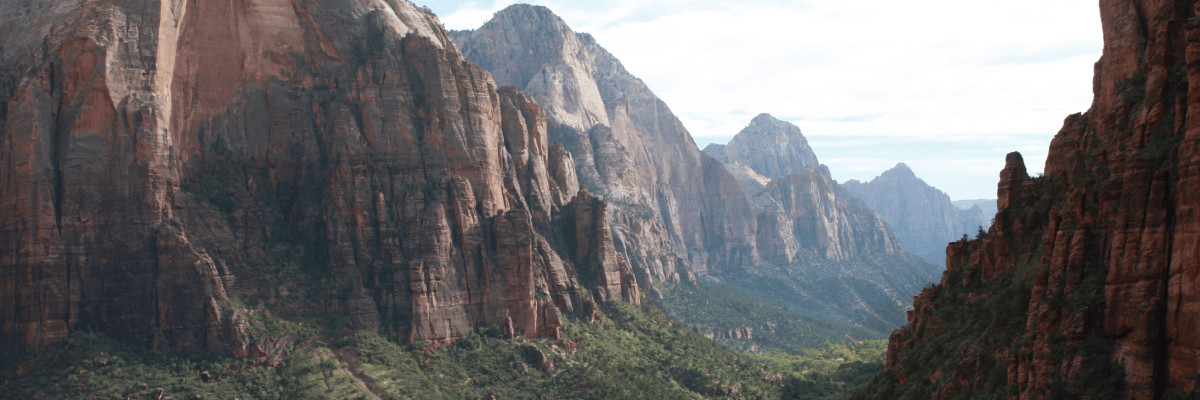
(758, 209)
(161, 158)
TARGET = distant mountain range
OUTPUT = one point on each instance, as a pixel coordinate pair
(922, 216)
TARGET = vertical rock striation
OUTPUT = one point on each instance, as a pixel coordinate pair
(1105, 242)
(673, 205)
(159, 158)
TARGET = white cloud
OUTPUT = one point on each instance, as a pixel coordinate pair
(975, 76)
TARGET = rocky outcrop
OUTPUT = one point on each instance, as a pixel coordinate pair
(768, 148)
(1107, 235)
(921, 216)
(672, 205)
(161, 158)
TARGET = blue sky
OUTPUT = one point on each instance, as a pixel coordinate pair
(947, 87)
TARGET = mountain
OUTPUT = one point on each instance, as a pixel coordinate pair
(765, 149)
(165, 164)
(1083, 288)
(826, 254)
(922, 216)
(987, 206)
(673, 203)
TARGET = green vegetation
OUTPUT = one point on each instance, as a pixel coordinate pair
(1132, 90)
(217, 193)
(871, 293)
(372, 44)
(990, 321)
(633, 352)
(717, 307)
(89, 365)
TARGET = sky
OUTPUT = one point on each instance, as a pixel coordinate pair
(948, 87)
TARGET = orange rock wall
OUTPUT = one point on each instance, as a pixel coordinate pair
(1119, 199)
(156, 156)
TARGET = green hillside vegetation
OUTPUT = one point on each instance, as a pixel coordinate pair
(719, 307)
(633, 352)
(871, 293)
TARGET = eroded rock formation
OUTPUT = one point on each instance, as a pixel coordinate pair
(160, 158)
(1105, 243)
(674, 207)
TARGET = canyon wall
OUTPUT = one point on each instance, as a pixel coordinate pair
(675, 207)
(1098, 257)
(162, 161)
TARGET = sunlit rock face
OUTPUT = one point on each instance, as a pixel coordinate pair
(157, 157)
(674, 207)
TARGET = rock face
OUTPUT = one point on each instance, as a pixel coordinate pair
(159, 158)
(921, 216)
(768, 148)
(825, 252)
(1108, 235)
(804, 212)
(673, 206)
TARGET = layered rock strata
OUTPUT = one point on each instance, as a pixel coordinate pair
(1109, 235)
(160, 158)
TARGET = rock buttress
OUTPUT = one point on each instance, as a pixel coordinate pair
(337, 158)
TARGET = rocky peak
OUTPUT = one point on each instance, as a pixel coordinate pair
(922, 216)
(669, 200)
(900, 171)
(768, 146)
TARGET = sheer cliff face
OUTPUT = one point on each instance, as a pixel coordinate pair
(804, 212)
(159, 158)
(769, 147)
(672, 201)
(798, 206)
(1110, 230)
(921, 216)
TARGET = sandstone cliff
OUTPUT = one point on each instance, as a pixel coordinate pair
(674, 206)
(340, 158)
(921, 216)
(1104, 246)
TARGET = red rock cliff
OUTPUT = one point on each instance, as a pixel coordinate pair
(1105, 244)
(161, 157)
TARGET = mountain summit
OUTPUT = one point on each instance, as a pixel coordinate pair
(765, 149)
(670, 201)
(921, 216)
